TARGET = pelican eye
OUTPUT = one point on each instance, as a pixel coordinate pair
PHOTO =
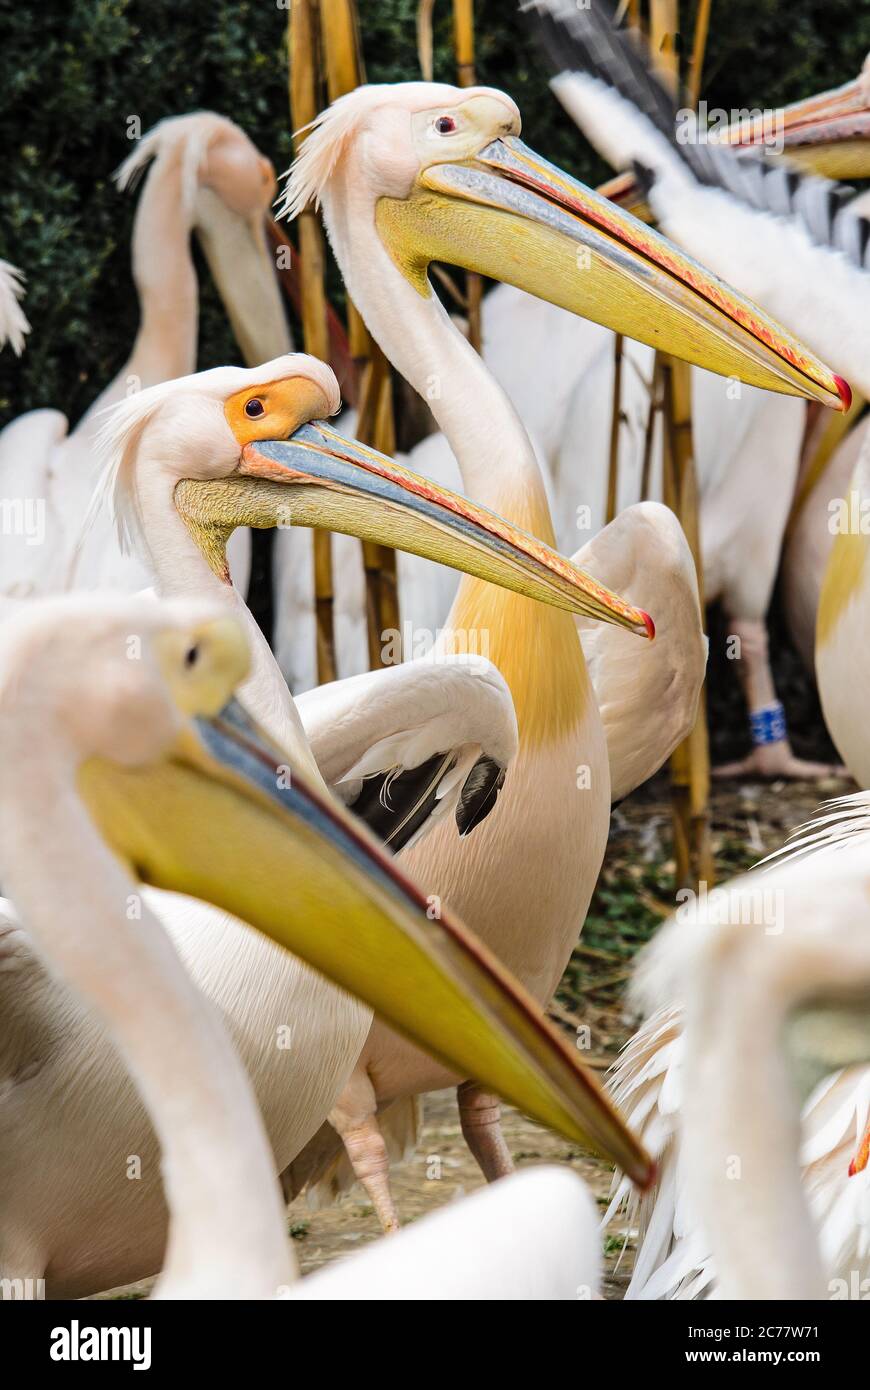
(191, 656)
(445, 125)
(254, 408)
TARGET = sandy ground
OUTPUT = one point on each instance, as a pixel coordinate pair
(634, 894)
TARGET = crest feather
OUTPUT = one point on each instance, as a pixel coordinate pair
(326, 140)
(115, 449)
(193, 133)
(13, 323)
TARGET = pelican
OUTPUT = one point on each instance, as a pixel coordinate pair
(13, 323)
(747, 449)
(558, 371)
(118, 739)
(417, 171)
(204, 176)
(825, 134)
(185, 462)
(803, 234)
(794, 983)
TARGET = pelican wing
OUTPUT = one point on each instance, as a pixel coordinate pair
(413, 743)
(647, 693)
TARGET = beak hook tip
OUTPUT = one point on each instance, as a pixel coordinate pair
(845, 392)
(648, 624)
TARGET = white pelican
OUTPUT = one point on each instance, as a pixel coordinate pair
(205, 177)
(784, 965)
(13, 323)
(804, 235)
(826, 134)
(188, 460)
(416, 172)
(748, 447)
(96, 695)
(69, 692)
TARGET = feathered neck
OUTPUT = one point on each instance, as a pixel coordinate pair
(495, 456)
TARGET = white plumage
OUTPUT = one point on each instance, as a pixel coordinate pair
(675, 1258)
(13, 323)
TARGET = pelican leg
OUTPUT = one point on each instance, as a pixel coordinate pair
(480, 1117)
(366, 1149)
(769, 759)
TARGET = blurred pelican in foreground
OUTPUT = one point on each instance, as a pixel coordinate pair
(533, 1236)
(776, 1003)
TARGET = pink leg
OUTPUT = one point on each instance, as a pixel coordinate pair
(480, 1117)
(768, 759)
(355, 1120)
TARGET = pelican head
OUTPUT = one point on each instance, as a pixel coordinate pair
(447, 177)
(227, 187)
(247, 447)
(192, 798)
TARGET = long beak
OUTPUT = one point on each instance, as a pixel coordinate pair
(511, 215)
(217, 820)
(828, 133)
(243, 270)
(317, 477)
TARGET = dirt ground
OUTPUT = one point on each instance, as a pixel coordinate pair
(635, 892)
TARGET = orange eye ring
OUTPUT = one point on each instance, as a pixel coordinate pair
(254, 408)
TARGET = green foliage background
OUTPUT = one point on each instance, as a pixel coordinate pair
(72, 73)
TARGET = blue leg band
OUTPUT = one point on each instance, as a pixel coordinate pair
(768, 724)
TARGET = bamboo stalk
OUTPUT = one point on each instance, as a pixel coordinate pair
(304, 106)
(375, 426)
(345, 70)
(291, 272)
(424, 39)
(463, 43)
(655, 410)
(664, 24)
(616, 415)
(690, 763)
(699, 48)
